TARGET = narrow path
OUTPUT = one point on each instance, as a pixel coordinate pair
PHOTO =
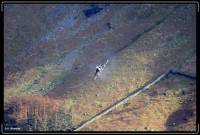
(131, 95)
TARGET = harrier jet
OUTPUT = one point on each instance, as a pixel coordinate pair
(99, 69)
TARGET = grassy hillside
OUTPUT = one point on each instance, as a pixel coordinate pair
(57, 60)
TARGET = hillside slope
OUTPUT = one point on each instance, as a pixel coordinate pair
(53, 50)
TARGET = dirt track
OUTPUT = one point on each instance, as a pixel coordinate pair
(142, 42)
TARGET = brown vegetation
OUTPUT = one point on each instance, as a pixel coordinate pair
(36, 113)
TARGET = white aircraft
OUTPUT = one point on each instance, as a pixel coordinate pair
(99, 69)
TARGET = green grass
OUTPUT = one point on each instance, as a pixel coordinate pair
(37, 81)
